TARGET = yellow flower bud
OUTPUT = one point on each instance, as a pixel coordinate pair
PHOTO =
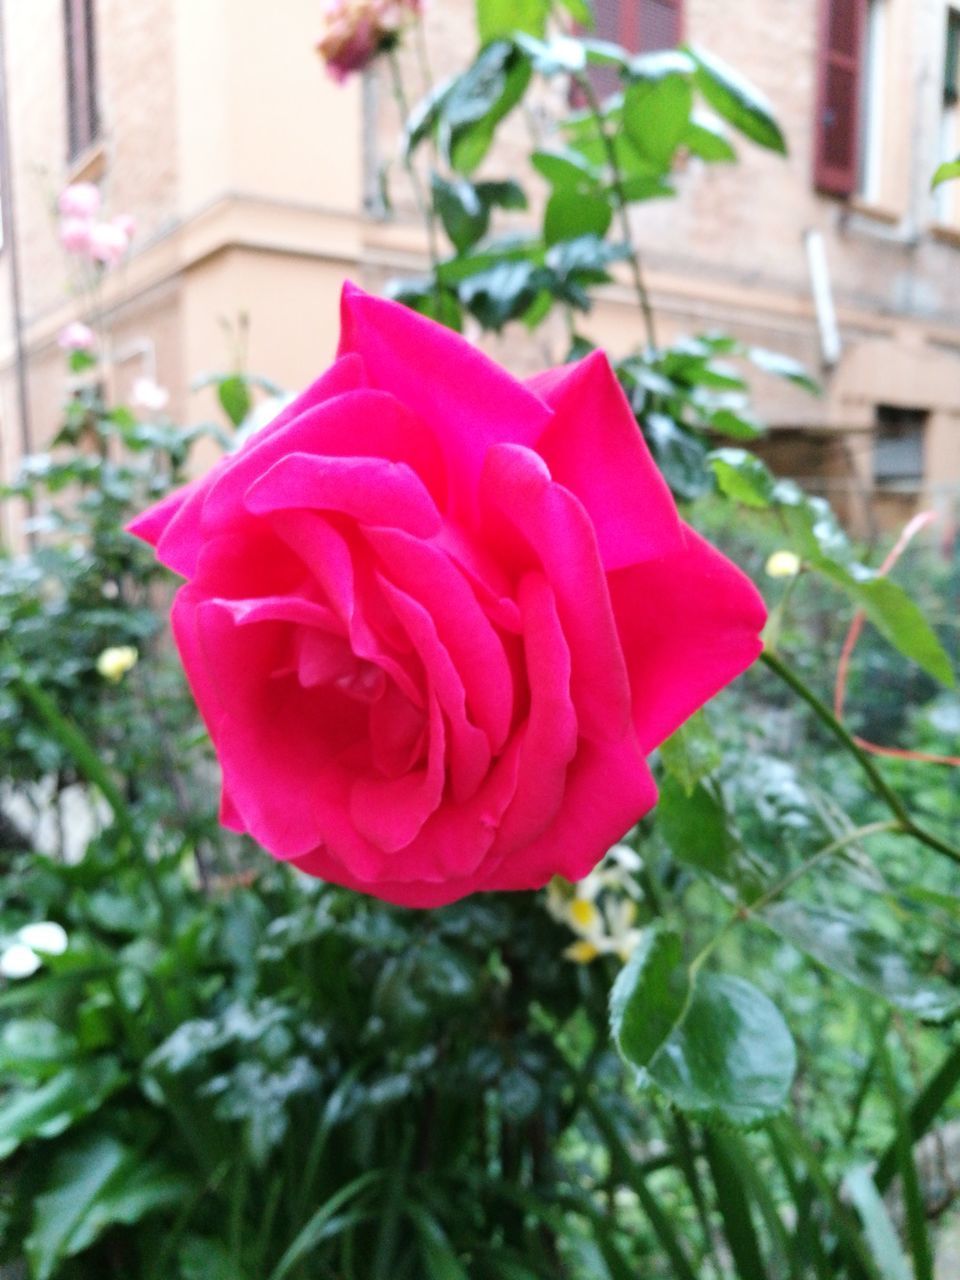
(783, 564)
(114, 663)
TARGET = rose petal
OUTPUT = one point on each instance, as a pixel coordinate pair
(550, 734)
(150, 524)
(390, 812)
(428, 575)
(516, 486)
(690, 623)
(179, 546)
(594, 448)
(370, 490)
(609, 786)
(467, 401)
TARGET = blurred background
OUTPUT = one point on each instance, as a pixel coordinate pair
(255, 183)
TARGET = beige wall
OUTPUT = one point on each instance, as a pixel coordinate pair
(248, 168)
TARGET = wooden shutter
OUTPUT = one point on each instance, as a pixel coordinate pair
(837, 125)
(82, 111)
(659, 24)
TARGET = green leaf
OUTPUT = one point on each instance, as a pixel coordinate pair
(95, 1185)
(656, 115)
(900, 621)
(705, 139)
(316, 1227)
(841, 942)
(496, 18)
(478, 100)
(565, 169)
(742, 477)
(234, 396)
(694, 826)
(649, 996)
(732, 1059)
(464, 215)
(571, 214)
(692, 752)
(680, 455)
(737, 101)
(35, 1047)
(739, 424)
(781, 366)
(881, 1234)
(48, 1110)
(949, 170)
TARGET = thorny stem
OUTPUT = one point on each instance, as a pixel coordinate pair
(881, 787)
(424, 205)
(623, 213)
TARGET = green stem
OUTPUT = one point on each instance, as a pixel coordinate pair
(424, 205)
(616, 178)
(881, 787)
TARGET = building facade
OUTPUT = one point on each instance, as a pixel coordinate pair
(253, 179)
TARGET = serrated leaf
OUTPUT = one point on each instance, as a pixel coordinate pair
(705, 139)
(496, 18)
(737, 101)
(732, 1058)
(656, 114)
(650, 996)
(572, 214)
(680, 455)
(692, 752)
(694, 826)
(563, 169)
(478, 100)
(842, 943)
(464, 215)
(742, 477)
(782, 366)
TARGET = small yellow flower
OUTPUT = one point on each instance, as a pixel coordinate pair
(582, 951)
(783, 564)
(114, 663)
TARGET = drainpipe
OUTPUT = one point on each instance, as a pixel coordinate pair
(10, 244)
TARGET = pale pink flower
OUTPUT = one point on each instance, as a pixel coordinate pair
(81, 200)
(77, 336)
(108, 243)
(75, 234)
(148, 394)
(353, 32)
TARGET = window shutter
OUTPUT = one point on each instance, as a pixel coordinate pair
(659, 24)
(82, 114)
(837, 125)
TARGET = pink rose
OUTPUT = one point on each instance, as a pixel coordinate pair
(81, 200)
(355, 31)
(108, 243)
(75, 234)
(76, 336)
(436, 619)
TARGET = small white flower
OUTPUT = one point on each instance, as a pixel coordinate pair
(19, 961)
(45, 936)
(148, 394)
(783, 564)
(114, 663)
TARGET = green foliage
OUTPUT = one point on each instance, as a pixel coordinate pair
(236, 1073)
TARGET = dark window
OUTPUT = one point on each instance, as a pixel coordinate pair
(898, 448)
(837, 149)
(642, 26)
(83, 123)
(951, 70)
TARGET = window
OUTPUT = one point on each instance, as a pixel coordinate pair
(83, 123)
(898, 448)
(947, 203)
(850, 103)
(641, 26)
